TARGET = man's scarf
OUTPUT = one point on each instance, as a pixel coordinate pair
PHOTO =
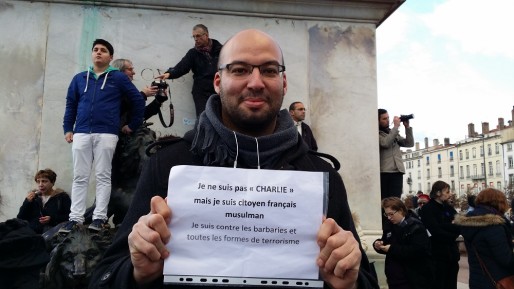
(205, 50)
(216, 144)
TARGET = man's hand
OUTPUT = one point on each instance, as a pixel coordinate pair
(45, 220)
(69, 137)
(150, 91)
(340, 256)
(126, 130)
(31, 196)
(396, 121)
(164, 76)
(147, 242)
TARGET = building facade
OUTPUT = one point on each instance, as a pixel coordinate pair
(469, 165)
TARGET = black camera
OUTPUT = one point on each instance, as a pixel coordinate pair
(406, 117)
(161, 89)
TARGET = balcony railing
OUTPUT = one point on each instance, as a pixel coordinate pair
(478, 177)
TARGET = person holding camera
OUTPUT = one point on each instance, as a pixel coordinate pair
(153, 108)
(391, 163)
(45, 207)
(202, 60)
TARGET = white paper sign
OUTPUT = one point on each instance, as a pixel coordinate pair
(230, 222)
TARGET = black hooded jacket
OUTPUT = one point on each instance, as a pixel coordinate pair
(115, 270)
(23, 253)
(409, 258)
(57, 207)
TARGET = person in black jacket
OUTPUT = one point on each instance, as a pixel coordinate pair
(487, 236)
(45, 207)
(297, 112)
(202, 60)
(23, 254)
(251, 84)
(408, 263)
(437, 216)
(153, 108)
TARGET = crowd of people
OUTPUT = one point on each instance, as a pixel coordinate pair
(238, 92)
(420, 233)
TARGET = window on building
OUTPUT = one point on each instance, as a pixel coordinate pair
(467, 154)
(428, 173)
(439, 172)
(451, 156)
(474, 152)
(461, 172)
(498, 168)
(438, 158)
(490, 168)
(509, 147)
(452, 171)
(428, 160)
(496, 148)
(467, 171)
(482, 169)
(475, 171)
(499, 185)
(511, 180)
(419, 163)
(419, 186)
(452, 185)
(460, 155)
(419, 175)
(481, 151)
(511, 163)
(489, 150)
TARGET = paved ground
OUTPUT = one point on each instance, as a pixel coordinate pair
(463, 277)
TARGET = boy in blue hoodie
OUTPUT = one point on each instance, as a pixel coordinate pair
(92, 123)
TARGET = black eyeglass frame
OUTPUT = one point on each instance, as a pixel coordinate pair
(281, 68)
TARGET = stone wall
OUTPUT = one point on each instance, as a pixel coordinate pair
(331, 67)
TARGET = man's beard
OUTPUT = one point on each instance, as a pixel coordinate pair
(243, 120)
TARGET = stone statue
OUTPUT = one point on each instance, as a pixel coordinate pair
(74, 257)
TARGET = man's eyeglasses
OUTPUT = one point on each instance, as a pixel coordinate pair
(197, 36)
(388, 215)
(243, 70)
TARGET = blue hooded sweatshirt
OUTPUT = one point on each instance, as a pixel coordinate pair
(93, 102)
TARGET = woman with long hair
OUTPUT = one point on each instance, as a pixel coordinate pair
(488, 240)
(408, 263)
(437, 216)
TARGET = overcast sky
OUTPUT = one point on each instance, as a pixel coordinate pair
(450, 62)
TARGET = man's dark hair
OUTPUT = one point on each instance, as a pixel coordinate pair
(201, 26)
(438, 187)
(104, 43)
(381, 111)
(292, 106)
(46, 173)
